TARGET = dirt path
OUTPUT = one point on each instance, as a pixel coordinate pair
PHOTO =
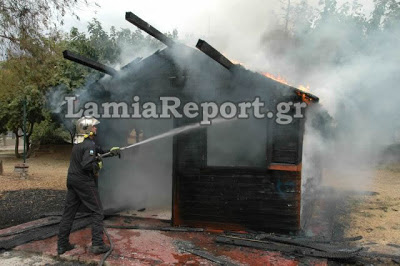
(47, 170)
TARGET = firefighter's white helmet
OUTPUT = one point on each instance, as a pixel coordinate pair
(84, 128)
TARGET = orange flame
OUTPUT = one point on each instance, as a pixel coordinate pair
(277, 78)
(304, 88)
(301, 88)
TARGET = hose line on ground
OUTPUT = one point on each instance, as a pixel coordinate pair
(111, 248)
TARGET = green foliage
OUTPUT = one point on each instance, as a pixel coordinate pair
(34, 106)
(23, 22)
(35, 66)
(48, 132)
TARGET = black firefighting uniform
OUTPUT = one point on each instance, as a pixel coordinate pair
(82, 189)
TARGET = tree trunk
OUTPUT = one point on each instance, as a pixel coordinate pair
(28, 140)
(17, 155)
(1, 167)
(72, 134)
(4, 140)
(28, 147)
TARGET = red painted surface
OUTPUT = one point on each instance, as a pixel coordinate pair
(144, 247)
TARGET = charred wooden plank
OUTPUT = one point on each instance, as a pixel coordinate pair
(152, 228)
(143, 25)
(41, 233)
(327, 247)
(292, 249)
(44, 222)
(214, 54)
(89, 63)
(375, 255)
(30, 226)
(189, 247)
(207, 255)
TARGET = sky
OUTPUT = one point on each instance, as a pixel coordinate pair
(187, 16)
(234, 27)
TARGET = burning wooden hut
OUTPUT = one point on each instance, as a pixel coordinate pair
(241, 175)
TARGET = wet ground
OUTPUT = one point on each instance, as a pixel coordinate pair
(149, 245)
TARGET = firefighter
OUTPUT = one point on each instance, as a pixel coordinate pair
(82, 186)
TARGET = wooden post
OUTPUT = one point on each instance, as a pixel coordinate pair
(1, 167)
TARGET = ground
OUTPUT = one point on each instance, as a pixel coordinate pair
(371, 206)
(372, 215)
(47, 169)
(23, 200)
(376, 216)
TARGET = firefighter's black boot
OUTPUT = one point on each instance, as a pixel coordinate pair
(61, 249)
(99, 249)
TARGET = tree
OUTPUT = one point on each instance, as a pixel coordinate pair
(22, 20)
(13, 110)
(386, 14)
(27, 78)
(40, 74)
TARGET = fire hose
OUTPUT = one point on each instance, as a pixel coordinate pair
(111, 248)
(169, 133)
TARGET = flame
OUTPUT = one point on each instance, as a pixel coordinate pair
(236, 62)
(304, 88)
(304, 97)
(277, 78)
(280, 79)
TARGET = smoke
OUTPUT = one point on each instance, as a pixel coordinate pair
(348, 62)
(347, 53)
(352, 70)
(352, 65)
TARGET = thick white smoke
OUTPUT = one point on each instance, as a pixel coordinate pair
(349, 62)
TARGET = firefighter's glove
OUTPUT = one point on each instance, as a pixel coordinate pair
(97, 167)
(115, 151)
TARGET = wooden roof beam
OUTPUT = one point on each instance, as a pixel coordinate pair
(143, 25)
(214, 54)
(80, 59)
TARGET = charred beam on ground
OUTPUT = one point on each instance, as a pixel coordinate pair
(143, 25)
(89, 63)
(207, 255)
(40, 233)
(344, 254)
(150, 228)
(214, 54)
